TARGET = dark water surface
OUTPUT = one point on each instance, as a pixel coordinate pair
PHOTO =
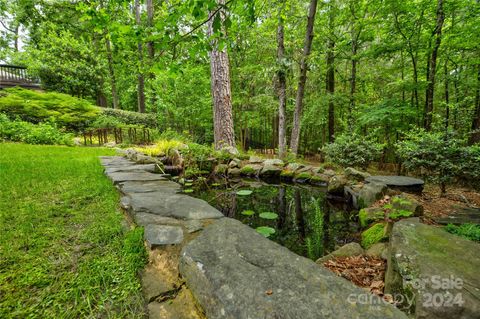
(307, 224)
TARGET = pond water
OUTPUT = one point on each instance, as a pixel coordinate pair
(307, 223)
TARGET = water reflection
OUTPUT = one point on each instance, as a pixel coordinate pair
(307, 222)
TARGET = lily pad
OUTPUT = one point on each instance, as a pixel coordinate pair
(188, 184)
(244, 192)
(216, 184)
(188, 191)
(265, 231)
(248, 212)
(268, 215)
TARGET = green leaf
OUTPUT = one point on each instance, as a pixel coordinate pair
(268, 215)
(265, 231)
(248, 212)
(244, 192)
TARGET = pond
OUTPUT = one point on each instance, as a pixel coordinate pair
(304, 220)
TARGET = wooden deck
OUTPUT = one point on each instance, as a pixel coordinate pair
(12, 75)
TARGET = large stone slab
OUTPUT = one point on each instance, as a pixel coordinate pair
(151, 186)
(172, 205)
(161, 235)
(437, 270)
(462, 216)
(234, 272)
(131, 168)
(114, 161)
(118, 177)
(403, 183)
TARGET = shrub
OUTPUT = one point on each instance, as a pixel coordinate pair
(43, 133)
(33, 106)
(352, 150)
(106, 121)
(433, 155)
(161, 148)
(469, 231)
(132, 118)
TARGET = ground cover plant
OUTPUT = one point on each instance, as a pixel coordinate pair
(63, 250)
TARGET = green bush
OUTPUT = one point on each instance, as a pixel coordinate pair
(33, 106)
(352, 150)
(43, 133)
(132, 118)
(469, 231)
(439, 158)
(106, 121)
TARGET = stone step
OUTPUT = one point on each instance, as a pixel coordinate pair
(234, 272)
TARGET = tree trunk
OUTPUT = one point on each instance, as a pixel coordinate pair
(427, 121)
(221, 91)
(447, 99)
(297, 116)
(353, 83)
(282, 87)
(475, 136)
(330, 80)
(150, 13)
(111, 71)
(140, 77)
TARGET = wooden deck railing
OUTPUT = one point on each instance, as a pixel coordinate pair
(12, 75)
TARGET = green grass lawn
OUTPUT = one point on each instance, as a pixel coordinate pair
(64, 249)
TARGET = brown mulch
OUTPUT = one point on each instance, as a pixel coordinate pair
(435, 205)
(364, 271)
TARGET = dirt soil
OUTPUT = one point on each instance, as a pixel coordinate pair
(456, 198)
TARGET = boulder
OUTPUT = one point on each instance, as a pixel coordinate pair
(236, 273)
(336, 184)
(351, 194)
(235, 171)
(234, 163)
(303, 177)
(305, 169)
(118, 177)
(461, 216)
(370, 193)
(375, 234)
(274, 161)
(379, 250)
(402, 183)
(329, 172)
(231, 150)
(348, 250)
(270, 170)
(437, 270)
(251, 169)
(145, 159)
(292, 167)
(255, 160)
(320, 179)
(287, 174)
(402, 202)
(352, 173)
(366, 216)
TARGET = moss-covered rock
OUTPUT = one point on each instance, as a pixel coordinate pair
(303, 177)
(250, 169)
(320, 179)
(366, 216)
(287, 175)
(348, 250)
(429, 265)
(374, 234)
(403, 203)
(221, 169)
(336, 184)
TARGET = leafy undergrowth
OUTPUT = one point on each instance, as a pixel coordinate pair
(364, 271)
(468, 231)
(63, 250)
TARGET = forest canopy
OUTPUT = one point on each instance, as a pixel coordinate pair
(374, 68)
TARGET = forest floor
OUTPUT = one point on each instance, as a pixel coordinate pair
(435, 205)
(65, 251)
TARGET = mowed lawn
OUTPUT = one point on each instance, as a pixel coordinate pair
(65, 251)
